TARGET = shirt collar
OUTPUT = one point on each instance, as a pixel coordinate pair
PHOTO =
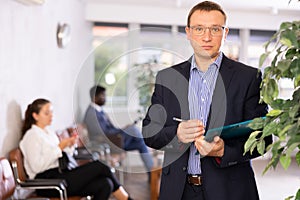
(97, 107)
(217, 62)
(33, 126)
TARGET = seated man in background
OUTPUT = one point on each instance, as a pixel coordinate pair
(99, 124)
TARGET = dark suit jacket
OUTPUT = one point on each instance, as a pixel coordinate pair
(235, 99)
(102, 131)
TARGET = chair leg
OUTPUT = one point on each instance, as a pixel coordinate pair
(63, 196)
(120, 171)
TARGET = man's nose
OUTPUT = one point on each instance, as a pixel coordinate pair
(207, 35)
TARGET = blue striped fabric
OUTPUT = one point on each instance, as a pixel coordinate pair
(201, 87)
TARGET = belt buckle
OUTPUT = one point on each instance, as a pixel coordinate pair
(194, 177)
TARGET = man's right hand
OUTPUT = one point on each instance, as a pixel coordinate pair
(188, 131)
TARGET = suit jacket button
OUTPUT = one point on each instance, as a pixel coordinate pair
(184, 168)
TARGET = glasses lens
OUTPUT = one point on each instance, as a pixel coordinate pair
(214, 30)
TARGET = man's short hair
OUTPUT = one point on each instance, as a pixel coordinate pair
(96, 90)
(206, 6)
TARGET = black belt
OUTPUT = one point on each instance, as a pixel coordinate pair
(194, 179)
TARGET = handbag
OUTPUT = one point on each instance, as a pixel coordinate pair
(66, 162)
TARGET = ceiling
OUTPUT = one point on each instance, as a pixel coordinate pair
(267, 5)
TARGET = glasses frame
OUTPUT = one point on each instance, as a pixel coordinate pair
(209, 28)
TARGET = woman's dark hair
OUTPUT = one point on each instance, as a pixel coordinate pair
(34, 107)
(205, 6)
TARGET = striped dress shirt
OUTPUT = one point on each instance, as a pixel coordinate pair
(201, 87)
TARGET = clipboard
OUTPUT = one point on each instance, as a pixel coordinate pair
(230, 131)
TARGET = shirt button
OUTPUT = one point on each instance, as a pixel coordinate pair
(184, 168)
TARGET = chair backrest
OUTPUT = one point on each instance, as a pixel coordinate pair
(16, 156)
(7, 182)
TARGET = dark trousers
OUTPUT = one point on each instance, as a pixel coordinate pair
(192, 192)
(94, 179)
(133, 140)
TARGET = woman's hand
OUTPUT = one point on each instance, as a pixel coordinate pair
(68, 142)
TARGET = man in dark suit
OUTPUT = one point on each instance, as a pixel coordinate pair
(100, 128)
(207, 91)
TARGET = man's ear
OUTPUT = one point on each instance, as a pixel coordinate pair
(226, 33)
(187, 31)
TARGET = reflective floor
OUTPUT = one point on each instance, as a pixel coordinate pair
(274, 185)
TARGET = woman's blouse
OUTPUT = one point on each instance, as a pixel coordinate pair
(40, 150)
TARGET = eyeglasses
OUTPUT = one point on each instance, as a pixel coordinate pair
(214, 30)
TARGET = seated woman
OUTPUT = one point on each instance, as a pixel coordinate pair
(42, 149)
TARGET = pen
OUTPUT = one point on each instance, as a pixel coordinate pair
(178, 119)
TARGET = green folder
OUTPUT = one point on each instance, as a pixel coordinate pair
(230, 131)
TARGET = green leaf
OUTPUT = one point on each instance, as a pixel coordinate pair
(291, 148)
(285, 161)
(298, 195)
(262, 58)
(286, 41)
(265, 95)
(283, 65)
(296, 95)
(291, 53)
(272, 89)
(257, 123)
(289, 198)
(272, 163)
(297, 81)
(284, 130)
(277, 104)
(295, 66)
(269, 129)
(251, 141)
(285, 25)
(298, 158)
(288, 38)
(274, 113)
(294, 111)
(253, 147)
(261, 147)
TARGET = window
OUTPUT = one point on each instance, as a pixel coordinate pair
(232, 44)
(110, 42)
(256, 45)
(157, 52)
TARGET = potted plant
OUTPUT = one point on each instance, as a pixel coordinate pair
(146, 73)
(283, 119)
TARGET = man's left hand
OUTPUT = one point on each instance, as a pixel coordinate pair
(214, 148)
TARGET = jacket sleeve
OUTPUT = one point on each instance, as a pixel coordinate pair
(159, 130)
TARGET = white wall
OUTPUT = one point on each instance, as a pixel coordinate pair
(32, 66)
(157, 14)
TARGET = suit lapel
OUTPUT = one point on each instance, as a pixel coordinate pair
(217, 115)
(182, 88)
